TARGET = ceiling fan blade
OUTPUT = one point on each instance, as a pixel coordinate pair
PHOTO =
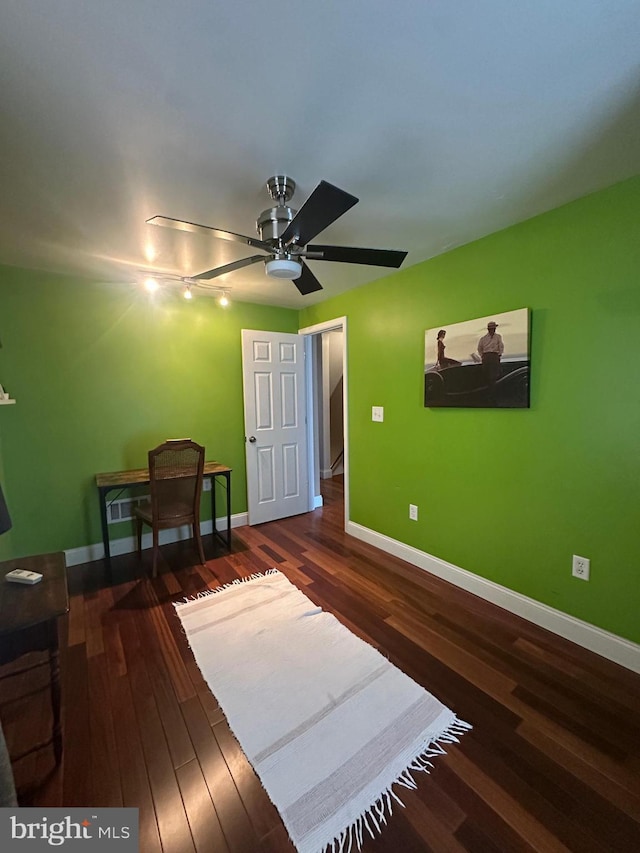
(307, 283)
(325, 204)
(236, 265)
(350, 255)
(194, 228)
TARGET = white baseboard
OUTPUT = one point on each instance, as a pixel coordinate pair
(325, 473)
(127, 545)
(604, 643)
(317, 501)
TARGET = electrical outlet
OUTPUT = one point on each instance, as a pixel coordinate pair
(206, 484)
(377, 413)
(580, 567)
(413, 512)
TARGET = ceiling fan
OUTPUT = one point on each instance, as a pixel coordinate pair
(284, 236)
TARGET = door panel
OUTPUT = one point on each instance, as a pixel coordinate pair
(266, 475)
(264, 401)
(291, 470)
(289, 398)
(274, 400)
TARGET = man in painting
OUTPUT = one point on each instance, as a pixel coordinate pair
(490, 349)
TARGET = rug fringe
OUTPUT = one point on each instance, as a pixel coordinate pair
(207, 592)
(373, 819)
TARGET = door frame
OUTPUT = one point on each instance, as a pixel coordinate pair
(308, 332)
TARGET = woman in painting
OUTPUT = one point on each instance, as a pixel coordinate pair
(443, 361)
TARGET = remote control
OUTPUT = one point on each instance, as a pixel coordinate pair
(23, 576)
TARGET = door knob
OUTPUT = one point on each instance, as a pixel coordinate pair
(252, 439)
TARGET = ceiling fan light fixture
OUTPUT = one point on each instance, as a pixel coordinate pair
(284, 268)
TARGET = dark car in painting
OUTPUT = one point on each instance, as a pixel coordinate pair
(464, 385)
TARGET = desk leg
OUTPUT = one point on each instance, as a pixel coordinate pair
(228, 479)
(214, 529)
(54, 668)
(105, 527)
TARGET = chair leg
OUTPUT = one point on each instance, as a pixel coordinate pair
(139, 535)
(154, 570)
(198, 538)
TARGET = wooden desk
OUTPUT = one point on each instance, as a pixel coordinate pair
(122, 480)
(29, 622)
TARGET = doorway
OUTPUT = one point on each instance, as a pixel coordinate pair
(327, 410)
(331, 443)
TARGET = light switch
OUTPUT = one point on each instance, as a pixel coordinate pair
(377, 413)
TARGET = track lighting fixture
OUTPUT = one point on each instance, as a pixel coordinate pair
(152, 283)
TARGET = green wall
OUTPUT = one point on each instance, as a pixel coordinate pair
(511, 494)
(102, 373)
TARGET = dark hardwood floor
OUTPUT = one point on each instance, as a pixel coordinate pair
(552, 762)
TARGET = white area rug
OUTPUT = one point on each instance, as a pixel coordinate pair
(326, 721)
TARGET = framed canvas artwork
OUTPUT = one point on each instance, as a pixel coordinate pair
(482, 363)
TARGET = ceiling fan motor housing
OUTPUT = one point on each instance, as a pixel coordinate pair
(272, 222)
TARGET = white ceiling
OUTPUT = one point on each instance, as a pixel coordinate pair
(449, 119)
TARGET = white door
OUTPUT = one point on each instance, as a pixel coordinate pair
(275, 428)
